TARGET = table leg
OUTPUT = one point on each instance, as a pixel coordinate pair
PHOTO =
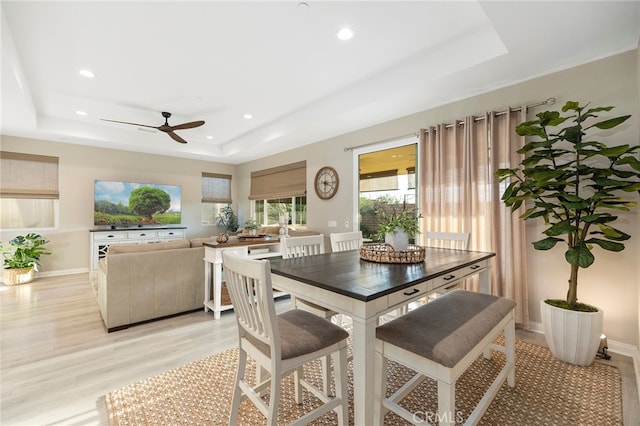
(207, 284)
(364, 333)
(217, 289)
(485, 281)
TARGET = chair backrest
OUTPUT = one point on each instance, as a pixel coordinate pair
(452, 240)
(301, 246)
(249, 286)
(344, 241)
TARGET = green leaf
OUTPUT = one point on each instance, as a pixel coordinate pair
(579, 255)
(607, 245)
(611, 123)
(571, 105)
(613, 233)
(547, 243)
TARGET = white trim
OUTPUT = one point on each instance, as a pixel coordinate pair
(62, 272)
(613, 345)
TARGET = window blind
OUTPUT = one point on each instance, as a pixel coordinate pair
(28, 176)
(216, 188)
(285, 181)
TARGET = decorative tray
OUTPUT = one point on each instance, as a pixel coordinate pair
(247, 236)
(385, 253)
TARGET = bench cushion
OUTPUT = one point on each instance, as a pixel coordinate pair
(447, 328)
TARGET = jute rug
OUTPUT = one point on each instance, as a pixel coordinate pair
(547, 392)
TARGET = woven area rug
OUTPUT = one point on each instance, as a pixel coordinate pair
(547, 391)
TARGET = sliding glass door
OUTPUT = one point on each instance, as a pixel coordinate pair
(386, 179)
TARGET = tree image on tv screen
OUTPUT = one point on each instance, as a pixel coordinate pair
(147, 201)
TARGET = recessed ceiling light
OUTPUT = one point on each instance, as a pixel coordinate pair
(209, 137)
(86, 73)
(81, 113)
(248, 116)
(303, 5)
(345, 34)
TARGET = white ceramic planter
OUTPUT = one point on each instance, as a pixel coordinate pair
(572, 336)
(399, 240)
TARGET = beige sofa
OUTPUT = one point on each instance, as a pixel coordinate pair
(141, 282)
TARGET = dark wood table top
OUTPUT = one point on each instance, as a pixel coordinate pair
(345, 273)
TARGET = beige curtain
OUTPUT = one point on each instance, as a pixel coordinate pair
(459, 193)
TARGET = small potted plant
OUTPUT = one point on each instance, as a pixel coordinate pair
(251, 226)
(575, 184)
(228, 220)
(398, 226)
(22, 257)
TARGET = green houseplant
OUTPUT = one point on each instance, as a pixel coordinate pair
(228, 220)
(251, 226)
(398, 226)
(22, 258)
(575, 184)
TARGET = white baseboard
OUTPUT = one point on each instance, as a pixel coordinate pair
(63, 272)
(613, 345)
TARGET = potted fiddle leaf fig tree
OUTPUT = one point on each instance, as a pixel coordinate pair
(575, 184)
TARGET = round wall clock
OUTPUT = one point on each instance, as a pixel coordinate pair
(326, 182)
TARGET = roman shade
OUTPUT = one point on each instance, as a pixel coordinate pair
(28, 176)
(216, 188)
(285, 181)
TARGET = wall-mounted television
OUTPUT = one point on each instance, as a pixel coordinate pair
(126, 204)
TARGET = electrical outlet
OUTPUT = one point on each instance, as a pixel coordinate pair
(332, 224)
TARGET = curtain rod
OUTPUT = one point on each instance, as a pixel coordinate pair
(548, 101)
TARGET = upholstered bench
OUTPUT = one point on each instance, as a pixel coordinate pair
(440, 340)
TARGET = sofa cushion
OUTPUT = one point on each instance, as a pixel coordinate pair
(136, 248)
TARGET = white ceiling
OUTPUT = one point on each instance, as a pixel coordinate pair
(280, 62)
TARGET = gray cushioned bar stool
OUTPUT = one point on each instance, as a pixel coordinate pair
(440, 340)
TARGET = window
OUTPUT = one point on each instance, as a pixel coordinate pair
(216, 194)
(280, 190)
(268, 212)
(28, 191)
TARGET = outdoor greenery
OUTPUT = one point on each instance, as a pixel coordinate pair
(574, 183)
(24, 251)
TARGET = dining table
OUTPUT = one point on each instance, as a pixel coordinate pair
(366, 290)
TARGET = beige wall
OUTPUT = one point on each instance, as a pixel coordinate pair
(81, 165)
(611, 283)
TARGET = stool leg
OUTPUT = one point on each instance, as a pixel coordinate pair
(510, 350)
(446, 403)
(380, 389)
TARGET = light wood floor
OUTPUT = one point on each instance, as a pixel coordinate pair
(57, 360)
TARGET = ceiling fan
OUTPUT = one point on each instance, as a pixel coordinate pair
(166, 127)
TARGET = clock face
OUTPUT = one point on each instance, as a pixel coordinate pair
(326, 183)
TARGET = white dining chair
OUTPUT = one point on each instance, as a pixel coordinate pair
(451, 240)
(280, 345)
(343, 241)
(309, 245)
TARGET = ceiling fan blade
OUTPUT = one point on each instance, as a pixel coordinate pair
(190, 125)
(133, 124)
(176, 137)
